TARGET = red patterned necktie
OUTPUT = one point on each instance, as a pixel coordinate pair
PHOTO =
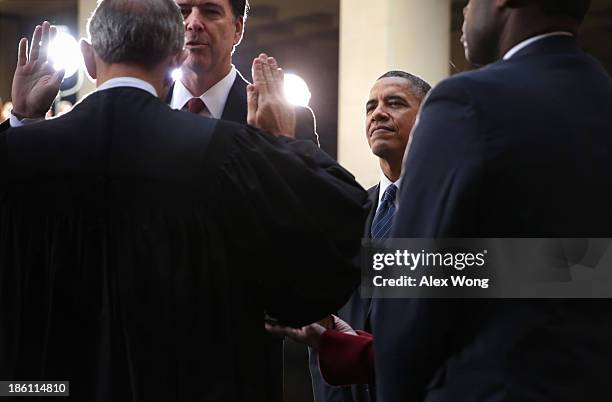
(195, 105)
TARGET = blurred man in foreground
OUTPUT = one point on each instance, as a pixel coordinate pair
(519, 148)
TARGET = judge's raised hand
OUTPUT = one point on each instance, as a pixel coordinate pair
(268, 109)
(36, 83)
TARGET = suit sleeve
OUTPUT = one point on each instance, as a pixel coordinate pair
(443, 168)
(302, 215)
(439, 198)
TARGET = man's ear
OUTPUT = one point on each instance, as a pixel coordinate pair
(90, 58)
(239, 29)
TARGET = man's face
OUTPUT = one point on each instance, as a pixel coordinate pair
(482, 25)
(391, 111)
(211, 31)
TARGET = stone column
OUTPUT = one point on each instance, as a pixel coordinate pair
(86, 7)
(409, 35)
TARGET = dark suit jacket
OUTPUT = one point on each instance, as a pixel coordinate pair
(236, 110)
(141, 246)
(356, 313)
(521, 148)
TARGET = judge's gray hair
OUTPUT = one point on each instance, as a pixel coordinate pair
(140, 32)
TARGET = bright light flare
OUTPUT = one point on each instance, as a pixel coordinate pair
(65, 54)
(296, 90)
(177, 74)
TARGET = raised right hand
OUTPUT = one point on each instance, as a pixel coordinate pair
(35, 83)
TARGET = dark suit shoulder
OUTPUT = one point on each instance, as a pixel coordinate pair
(455, 89)
(545, 63)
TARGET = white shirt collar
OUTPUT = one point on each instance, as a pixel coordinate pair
(214, 98)
(128, 82)
(382, 187)
(112, 83)
(531, 40)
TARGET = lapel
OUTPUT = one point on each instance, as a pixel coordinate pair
(169, 95)
(373, 196)
(236, 105)
(367, 302)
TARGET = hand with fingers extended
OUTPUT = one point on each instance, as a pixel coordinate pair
(268, 109)
(36, 83)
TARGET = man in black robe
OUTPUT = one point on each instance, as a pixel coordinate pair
(141, 246)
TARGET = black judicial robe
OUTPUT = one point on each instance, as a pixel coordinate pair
(141, 246)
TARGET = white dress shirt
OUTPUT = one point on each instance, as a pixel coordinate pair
(382, 187)
(112, 83)
(214, 99)
(531, 40)
(127, 82)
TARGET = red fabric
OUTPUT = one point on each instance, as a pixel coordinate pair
(346, 359)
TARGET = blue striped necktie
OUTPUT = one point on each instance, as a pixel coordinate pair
(383, 220)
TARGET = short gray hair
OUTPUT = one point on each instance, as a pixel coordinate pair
(141, 32)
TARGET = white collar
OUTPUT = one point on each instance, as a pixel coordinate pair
(384, 183)
(118, 82)
(214, 98)
(531, 40)
(128, 82)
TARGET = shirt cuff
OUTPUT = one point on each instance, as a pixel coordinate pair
(15, 122)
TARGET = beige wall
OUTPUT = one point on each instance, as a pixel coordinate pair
(410, 35)
(86, 7)
(9, 39)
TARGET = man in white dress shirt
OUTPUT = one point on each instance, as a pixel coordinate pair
(209, 84)
(213, 28)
